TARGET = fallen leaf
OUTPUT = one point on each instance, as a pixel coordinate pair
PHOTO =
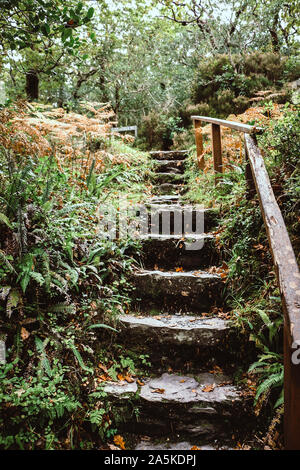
(119, 441)
(129, 379)
(101, 366)
(159, 390)
(195, 448)
(140, 383)
(112, 447)
(24, 333)
(208, 388)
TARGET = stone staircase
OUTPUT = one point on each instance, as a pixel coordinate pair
(189, 400)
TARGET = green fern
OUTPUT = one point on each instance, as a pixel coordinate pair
(271, 371)
(5, 220)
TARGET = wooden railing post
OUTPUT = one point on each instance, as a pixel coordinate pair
(251, 190)
(199, 143)
(217, 149)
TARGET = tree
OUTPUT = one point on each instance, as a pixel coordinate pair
(43, 31)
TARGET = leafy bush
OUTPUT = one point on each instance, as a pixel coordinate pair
(224, 83)
(157, 131)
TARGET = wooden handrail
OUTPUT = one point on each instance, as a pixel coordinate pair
(216, 139)
(238, 126)
(287, 272)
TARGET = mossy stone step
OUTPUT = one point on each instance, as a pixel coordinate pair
(168, 188)
(172, 178)
(169, 154)
(169, 166)
(178, 339)
(174, 251)
(194, 291)
(191, 213)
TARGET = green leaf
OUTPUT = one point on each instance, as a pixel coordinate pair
(101, 325)
(13, 300)
(66, 33)
(45, 28)
(80, 360)
(90, 13)
(37, 277)
(5, 220)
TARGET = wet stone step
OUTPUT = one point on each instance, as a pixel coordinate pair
(194, 291)
(172, 178)
(169, 166)
(170, 252)
(176, 329)
(165, 444)
(179, 340)
(169, 154)
(206, 405)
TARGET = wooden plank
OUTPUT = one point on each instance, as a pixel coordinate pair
(125, 129)
(217, 149)
(199, 144)
(238, 126)
(288, 277)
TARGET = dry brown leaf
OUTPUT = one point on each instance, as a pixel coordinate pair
(129, 379)
(208, 388)
(159, 390)
(119, 441)
(24, 333)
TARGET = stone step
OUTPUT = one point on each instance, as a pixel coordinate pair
(169, 154)
(208, 216)
(165, 443)
(165, 199)
(169, 166)
(176, 251)
(176, 329)
(194, 291)
(206, 405)
(172, 178)
(179, 340)
(168, 188)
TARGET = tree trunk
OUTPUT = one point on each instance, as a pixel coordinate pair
(32, 85)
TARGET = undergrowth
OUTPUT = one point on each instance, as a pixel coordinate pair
(62, 285)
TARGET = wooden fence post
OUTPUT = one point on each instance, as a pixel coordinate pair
(199, 143)
(251, 190)
(217, 149)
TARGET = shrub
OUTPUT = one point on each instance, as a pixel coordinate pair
(223, 84)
